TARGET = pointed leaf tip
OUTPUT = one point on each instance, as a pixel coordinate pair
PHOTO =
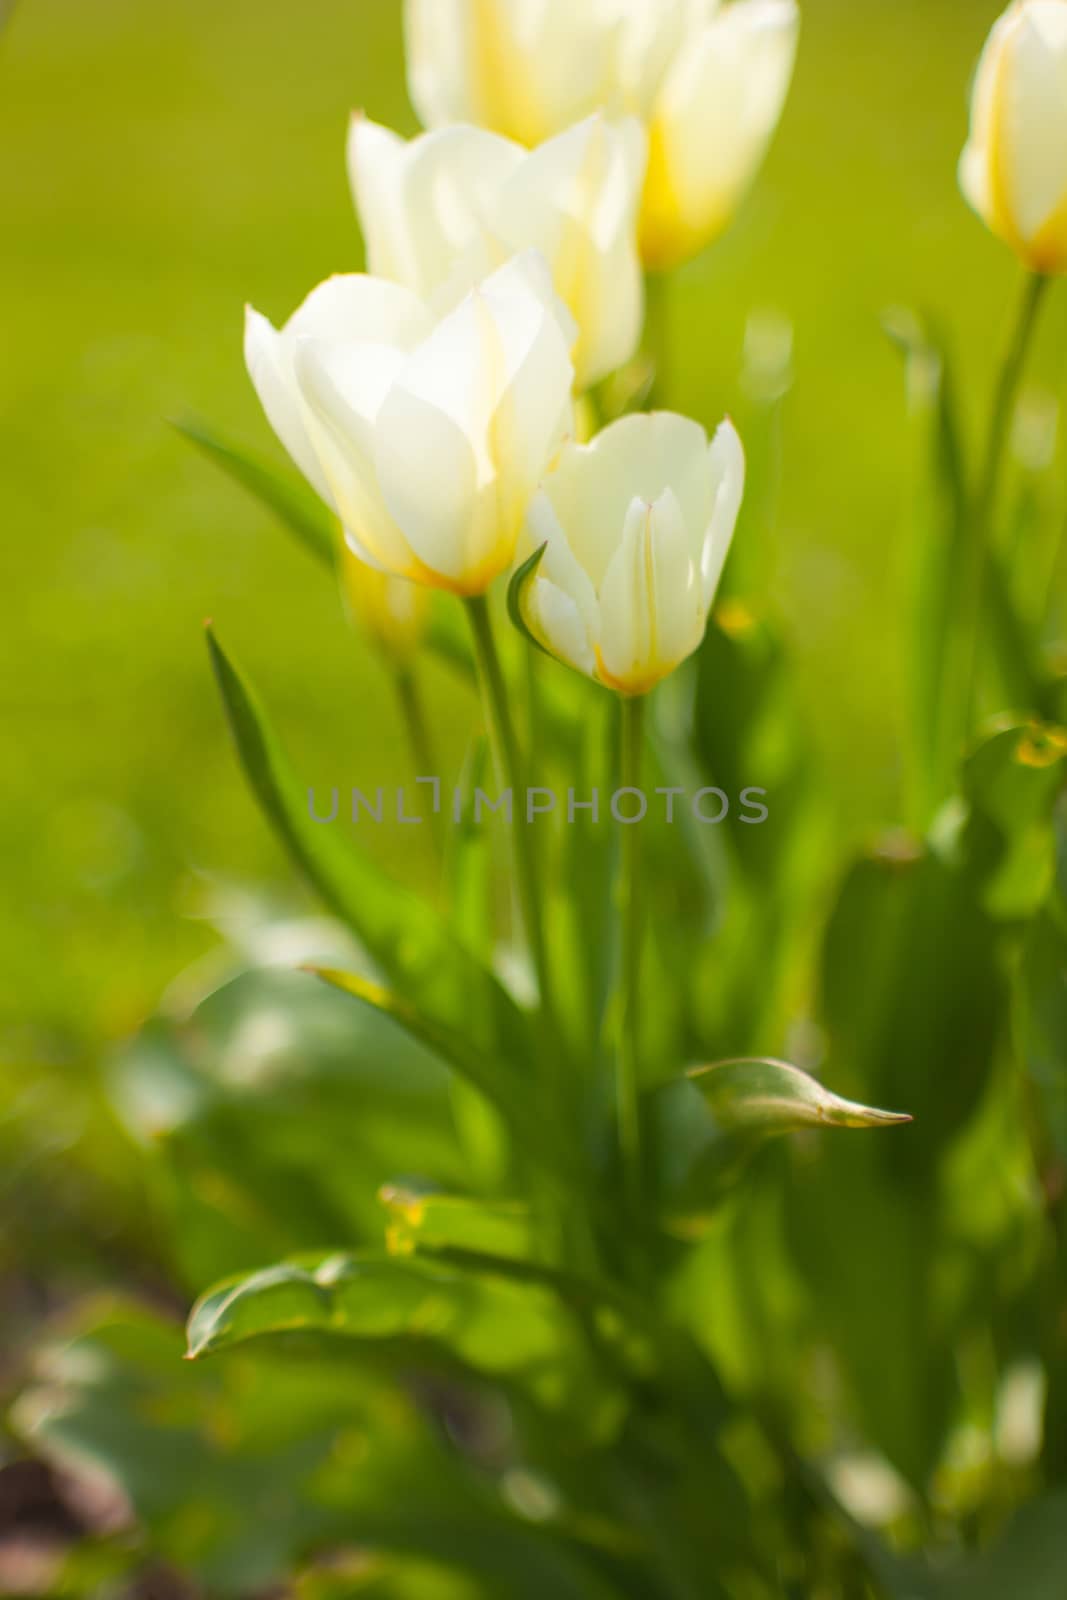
(763, 1095)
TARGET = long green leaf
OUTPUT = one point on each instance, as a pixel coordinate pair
(453, 1047)
(287, 498)
(406, 939)
(505, 1330)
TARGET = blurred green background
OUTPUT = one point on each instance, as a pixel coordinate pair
(160, 165)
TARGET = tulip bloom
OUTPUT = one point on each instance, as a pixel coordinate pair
(712, 120)
(1014, 168)
(442, 211)
(525, 68)
(634, 530)
(427, 438)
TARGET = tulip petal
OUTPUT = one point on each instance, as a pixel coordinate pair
(1034, 115)
(350, 306)
(638, 456)
(343, 388)
(651, 603)
(727, 462)
(526, 68)
(425, 206)
(714, 118)
(575, 199)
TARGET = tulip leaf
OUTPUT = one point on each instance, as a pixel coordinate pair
(405, 938)
(521, 578)
(772, 1097)
(711, 1122)
(424, 1219)
(1011, 784)
(504, 1330)
(450, 1045)
(290, 500)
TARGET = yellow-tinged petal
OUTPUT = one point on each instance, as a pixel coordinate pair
(1013, 169)
(713, 118)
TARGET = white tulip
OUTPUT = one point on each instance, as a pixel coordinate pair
(442, 211)
(525, 68)
(712, 120)
(428, 438)
(1014, 167)
(635, 528)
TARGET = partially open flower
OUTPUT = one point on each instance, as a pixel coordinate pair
(427, 438)
(1013, 170)
(624, 547)
(442, 211)
(711, 121)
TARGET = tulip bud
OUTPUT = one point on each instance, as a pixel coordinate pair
(1013, 170)
(428, 439)
(389, 611)
(712, 120)
(625, 544)
(442, 211)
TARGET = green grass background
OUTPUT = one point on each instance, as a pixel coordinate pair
(161, 164)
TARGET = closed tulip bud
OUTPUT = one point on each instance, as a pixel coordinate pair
(442, 211)
(525, 68)
(625, 544)
(712, 120)
(1014, 167)
(391, 612)
(427, 438)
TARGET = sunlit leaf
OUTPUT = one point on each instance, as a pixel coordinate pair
(429, 1220)
(774, 1097)
(513, 1331)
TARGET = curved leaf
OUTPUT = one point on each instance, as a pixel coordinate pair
(405, 938)
(768, 1097)
(499, 1328)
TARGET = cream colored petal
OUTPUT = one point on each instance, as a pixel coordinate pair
(639, 456)
(726, 459)
(446, 196)
(357, 306)
(558, 565)
(553, 618)
(1033, 115)
(269, 364)
(975, 174)
(439, 52)
(575, 199)
(525, 68)
(343, 387)
(533, 410)
(377, 160)
(651, 605)
(431, 485)
(717, 111)
(651, 34)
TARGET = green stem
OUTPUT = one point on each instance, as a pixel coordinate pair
(512, 774)
(631, 919)
(973, 577)
(422, 754)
